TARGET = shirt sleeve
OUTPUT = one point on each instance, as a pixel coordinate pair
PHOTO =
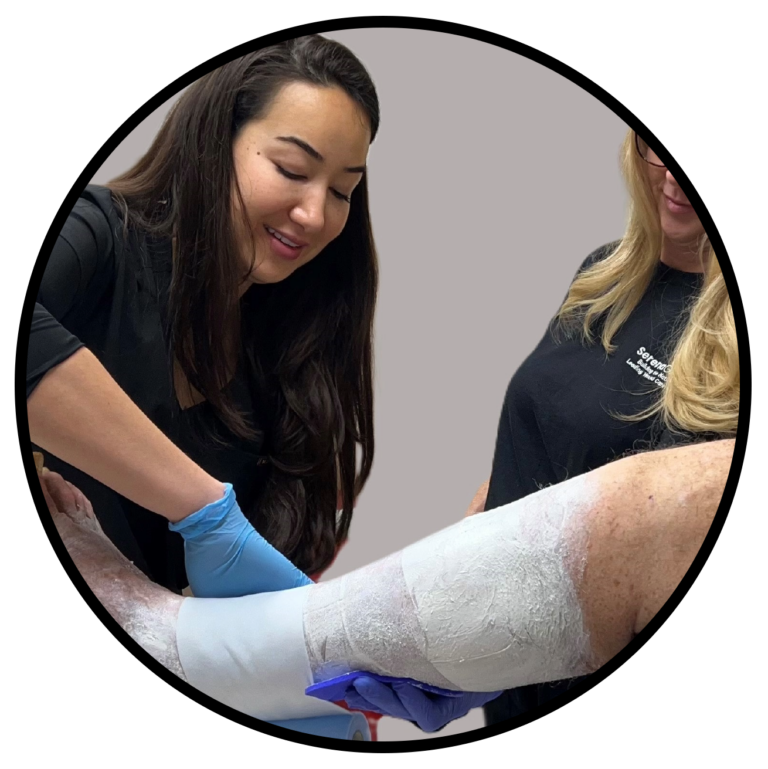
(598, 255)
(79, 272)
(593, 258)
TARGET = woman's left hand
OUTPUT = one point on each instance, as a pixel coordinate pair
(429, 712)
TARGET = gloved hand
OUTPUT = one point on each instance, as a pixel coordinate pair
(429, 710)
(226, 557)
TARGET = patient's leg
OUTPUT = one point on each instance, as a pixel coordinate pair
(487, 604)
(273, 686)
(549, 587)
(546, 588)
(413, 615)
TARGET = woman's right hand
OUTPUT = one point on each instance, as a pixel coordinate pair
(477, 505)
(226, 557)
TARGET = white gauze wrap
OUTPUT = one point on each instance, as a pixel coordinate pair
(489, 603)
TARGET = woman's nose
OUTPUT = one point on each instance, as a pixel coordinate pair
(671, 178)
(309, 213)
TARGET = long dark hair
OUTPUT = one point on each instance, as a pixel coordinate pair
(306, 341)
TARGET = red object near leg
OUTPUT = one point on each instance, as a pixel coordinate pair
(373, 724)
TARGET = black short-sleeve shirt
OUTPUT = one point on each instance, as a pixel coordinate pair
(106, 287)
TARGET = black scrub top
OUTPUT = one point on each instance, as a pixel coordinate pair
(559, 417)
(106, 288)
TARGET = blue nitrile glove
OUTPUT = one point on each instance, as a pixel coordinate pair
(226, 557)
(410, 701)
(429, 712)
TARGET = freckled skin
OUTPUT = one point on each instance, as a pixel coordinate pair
(642, 545)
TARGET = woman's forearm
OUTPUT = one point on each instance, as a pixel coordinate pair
(80, 414)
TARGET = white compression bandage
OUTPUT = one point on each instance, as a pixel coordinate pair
(487, 604)
(249, 653)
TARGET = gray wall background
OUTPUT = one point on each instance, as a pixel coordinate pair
(491, 180)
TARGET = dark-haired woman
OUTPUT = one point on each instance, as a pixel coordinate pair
(201, 341)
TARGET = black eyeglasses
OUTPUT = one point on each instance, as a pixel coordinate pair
(647, 154)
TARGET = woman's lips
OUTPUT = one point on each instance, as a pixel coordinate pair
(283, 250)
(677, 207)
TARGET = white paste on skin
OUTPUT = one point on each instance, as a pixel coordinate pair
(146, 611)
(367, 620)
(149, 617)
(489, 603)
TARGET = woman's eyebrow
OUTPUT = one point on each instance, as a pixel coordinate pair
(314, 154)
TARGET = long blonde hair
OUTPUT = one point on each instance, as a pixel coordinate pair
(703, 382)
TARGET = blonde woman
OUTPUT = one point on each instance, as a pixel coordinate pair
(642, 354)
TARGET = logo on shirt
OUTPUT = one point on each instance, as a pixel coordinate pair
(649, 367)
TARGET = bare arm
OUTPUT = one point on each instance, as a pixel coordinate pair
(81, 415)
(477, 505)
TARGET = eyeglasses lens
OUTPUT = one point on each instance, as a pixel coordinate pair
(647, 154)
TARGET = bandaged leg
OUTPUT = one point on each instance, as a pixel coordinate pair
(488, 604)
(249, 653)
(546, 588)
(270, 670)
